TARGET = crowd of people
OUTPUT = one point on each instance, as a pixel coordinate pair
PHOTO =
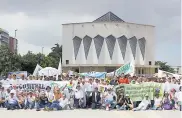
(84, 93)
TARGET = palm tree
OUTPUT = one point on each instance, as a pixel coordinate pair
(56, 52)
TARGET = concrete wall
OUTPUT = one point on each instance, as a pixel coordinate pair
(105, 29)
(138, 70)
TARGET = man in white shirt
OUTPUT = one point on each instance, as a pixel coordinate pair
(144, 104)
(78, 101)
(12, 102)
(88, 89)
(157, 103)
(64, 103)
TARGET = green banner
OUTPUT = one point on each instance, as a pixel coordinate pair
(126, 69)
(138, 91)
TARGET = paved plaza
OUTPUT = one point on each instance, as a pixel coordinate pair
(89, 114)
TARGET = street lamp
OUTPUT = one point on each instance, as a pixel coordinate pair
(15, 32)
(42, 50)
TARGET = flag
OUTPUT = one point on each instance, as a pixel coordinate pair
(37, 69)
(60, 67)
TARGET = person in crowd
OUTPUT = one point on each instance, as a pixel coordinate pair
(123, 80)
(7, 93)
(114, 81)
(144, 105)
(178, 96)
(167, 104)
(157, 103)
(30, 101)
(49, 95)
(172, 97)
(21, 100)
(128, 103)
(83, 87)
(70, 96)
(2, 97)
(96, 99)
(173, 81)
(42, 101)
(110, 100)
(57, 96)
(121, 102)
(12, 102)
(139, 80)
(78, 101)
(64, 103)
(89, 88)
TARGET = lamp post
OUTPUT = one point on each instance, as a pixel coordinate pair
(42, 50)
(15, 32)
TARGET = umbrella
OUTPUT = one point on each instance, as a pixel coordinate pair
(48, 71)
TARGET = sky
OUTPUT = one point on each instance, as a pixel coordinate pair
(39, 21)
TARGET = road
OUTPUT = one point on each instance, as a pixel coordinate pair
(89, 114)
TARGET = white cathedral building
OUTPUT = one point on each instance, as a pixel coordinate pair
(107, 43)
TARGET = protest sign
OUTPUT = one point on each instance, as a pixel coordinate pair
(18, 74)
(126, 69)
(138, 91)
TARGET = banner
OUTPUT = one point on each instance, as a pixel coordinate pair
(162, 73)
(33, 84)
(138, 91)
(126, 69)
(99, 75)
(18, 74)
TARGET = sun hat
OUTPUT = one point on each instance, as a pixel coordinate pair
(146, 95)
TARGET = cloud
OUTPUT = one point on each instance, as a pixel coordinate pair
(39, 21)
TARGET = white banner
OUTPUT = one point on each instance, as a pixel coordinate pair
(32, 84)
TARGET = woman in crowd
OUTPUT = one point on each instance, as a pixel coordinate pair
(21, 100)
(57, 95)
(172, 98)
(167, 104)
(42, 101)
(30, 101)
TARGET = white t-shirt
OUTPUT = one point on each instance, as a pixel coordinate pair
(109, 97)
(178, 95)
(157, 101)
(50, 96)
(79, 94)
(12, 100)
(63, 102)
(145, 102)
(88, 87)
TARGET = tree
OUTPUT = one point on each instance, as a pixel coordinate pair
(56, 54)
(29, 61)
(163, 66)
